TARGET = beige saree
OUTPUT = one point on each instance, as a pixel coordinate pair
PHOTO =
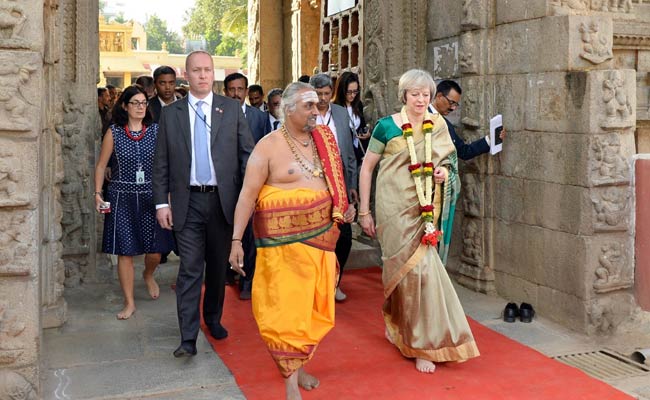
(423, 315)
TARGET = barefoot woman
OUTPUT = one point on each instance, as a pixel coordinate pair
(130, 228)
(294, 182)
(423, 316)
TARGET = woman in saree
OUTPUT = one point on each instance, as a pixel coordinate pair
(416, 189)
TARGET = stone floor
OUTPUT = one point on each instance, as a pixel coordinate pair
(94, 356)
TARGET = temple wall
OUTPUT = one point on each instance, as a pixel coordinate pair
(549, 220)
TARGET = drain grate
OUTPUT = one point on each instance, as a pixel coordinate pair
(604, 364)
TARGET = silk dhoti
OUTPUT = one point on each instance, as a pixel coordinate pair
(295, 273)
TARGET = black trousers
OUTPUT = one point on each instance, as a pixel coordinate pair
(203, 245)
(343, 246)
(250, 253)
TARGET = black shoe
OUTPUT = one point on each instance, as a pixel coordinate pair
(245, 289)
(217, 331)
(186, 349)
(526, 313)
(511, 312)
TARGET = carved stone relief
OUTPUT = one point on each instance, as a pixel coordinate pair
(618, 101)
(472, 195)
(14, 386)
(12, 20)
(376, 85)
(562, 7)
(469, 54)
(11, 328)
(471, 111)
(607, 313)
(597, 48)
(472, 243)
(473, 11)
(610, 273)
(15, 90)
(608, 164)
(12, 180)
(611, 209)
(15, 243)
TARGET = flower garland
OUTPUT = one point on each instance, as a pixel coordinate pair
(425, 195)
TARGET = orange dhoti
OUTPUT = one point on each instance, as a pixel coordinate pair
(295, 273)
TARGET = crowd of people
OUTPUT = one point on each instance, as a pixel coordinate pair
(264, 189)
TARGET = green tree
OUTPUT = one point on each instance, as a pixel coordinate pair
(222, 23)
(157, 34)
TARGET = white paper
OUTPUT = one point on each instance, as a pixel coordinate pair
(495, 123)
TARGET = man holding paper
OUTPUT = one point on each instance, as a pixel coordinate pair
(447, 99)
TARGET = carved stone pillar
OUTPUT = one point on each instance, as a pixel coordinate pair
(22, 123)
(79, 131)
(388, 53)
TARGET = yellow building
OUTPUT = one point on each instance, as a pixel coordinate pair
(123, 56)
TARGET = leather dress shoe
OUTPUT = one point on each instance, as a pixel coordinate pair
(186, 349)
(511, 312)
(526, 313)
(217, 331)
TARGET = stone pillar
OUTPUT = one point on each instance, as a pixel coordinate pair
(266, 17)
(79, 132)
(390, 52)
(22, 123)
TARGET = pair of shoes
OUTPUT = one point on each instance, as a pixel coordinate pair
(217, 331)
(245, 292)
(340, 296)
(526, 312)
(186, 349)
(511, 312)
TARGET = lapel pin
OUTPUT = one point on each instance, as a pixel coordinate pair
(217, 109)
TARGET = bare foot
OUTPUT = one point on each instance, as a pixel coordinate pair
(126, 312)
(306, 381)
(425, 366)
(291, 386)
(152, 286)
(388, 336)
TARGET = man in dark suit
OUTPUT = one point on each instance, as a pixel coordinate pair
(235, 86)
(164, 80)
(201, 153)
(447, 99)
(338, 120)
(273, 104)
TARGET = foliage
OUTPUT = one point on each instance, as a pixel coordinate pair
(222, 23)
(158, 33)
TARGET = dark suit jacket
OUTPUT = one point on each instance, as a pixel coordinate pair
(344, 136)
(231, 144)
(258, 121)
(154, 109)
(467, 151)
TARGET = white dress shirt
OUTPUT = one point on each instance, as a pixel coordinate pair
(329, 121)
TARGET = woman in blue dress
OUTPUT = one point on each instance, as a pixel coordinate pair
(130, 226)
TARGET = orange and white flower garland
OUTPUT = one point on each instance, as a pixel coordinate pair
(425, 195)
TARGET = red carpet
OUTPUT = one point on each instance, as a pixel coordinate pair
(355, 361)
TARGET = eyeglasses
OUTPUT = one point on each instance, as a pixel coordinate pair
(352, 92)
(452, 103)
(138, 103)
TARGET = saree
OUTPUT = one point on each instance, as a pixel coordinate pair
(422, 312)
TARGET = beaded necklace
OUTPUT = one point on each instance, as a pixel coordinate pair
(310, 171)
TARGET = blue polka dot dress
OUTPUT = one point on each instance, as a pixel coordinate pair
(131, 228)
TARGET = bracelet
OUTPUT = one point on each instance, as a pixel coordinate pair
(363, 214)
(235, 240)
(97, 193)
